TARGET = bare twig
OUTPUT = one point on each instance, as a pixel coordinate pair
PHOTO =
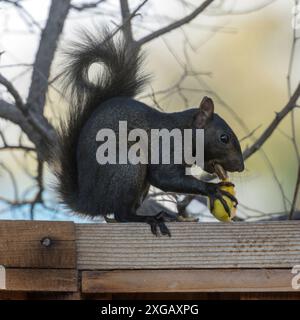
(12, 178)
(273, 125)
(26, 118)
(175, 24)
(126, 20)
(12, 90)
(296, 195)
(126, 23)
(250, 134)
(293, 121)
(27, 17)
(231, 12)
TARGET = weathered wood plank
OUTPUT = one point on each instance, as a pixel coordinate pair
(61, 254)
(23, 244)
(61, 280)
(192, 246)
(182, 296)
(13, 295)
(17, 230)
(209, 280)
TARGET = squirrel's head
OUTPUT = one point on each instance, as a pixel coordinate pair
(222, 150)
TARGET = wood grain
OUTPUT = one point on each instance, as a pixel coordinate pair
(128, 259)
(226, 280)
(64, 280)
(192, 246)
(16, 230)
(21, 244)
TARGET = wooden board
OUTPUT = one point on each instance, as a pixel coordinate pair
(17, 230)
(22, 246)
(64, 280)
(116, 246)
(181, 296)
(226, 280)
(127, 258)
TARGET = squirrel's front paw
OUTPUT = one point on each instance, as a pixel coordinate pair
(214, 192)
(156, 223)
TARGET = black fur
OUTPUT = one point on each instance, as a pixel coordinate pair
(121, 77)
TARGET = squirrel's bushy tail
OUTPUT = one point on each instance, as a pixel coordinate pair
(120, 77)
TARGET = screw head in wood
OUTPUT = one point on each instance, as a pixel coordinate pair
(46, 242)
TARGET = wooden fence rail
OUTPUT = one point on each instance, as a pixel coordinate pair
(113, 260)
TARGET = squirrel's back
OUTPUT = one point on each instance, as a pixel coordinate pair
(120, 77)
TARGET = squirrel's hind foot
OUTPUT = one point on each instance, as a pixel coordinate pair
(158, 222)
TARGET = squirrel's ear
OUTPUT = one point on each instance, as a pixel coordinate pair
(205, 113)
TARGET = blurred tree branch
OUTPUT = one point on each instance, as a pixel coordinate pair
(47, 46)
(176, 24)
(296, 194)
(126, 21)
(273, 125)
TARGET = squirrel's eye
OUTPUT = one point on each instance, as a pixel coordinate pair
(224, 138)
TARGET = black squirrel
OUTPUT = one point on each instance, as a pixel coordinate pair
(92, 189)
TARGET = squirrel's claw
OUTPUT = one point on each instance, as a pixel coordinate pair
(230, 196)
(158, 221)
(164, 229)
(216, 193)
